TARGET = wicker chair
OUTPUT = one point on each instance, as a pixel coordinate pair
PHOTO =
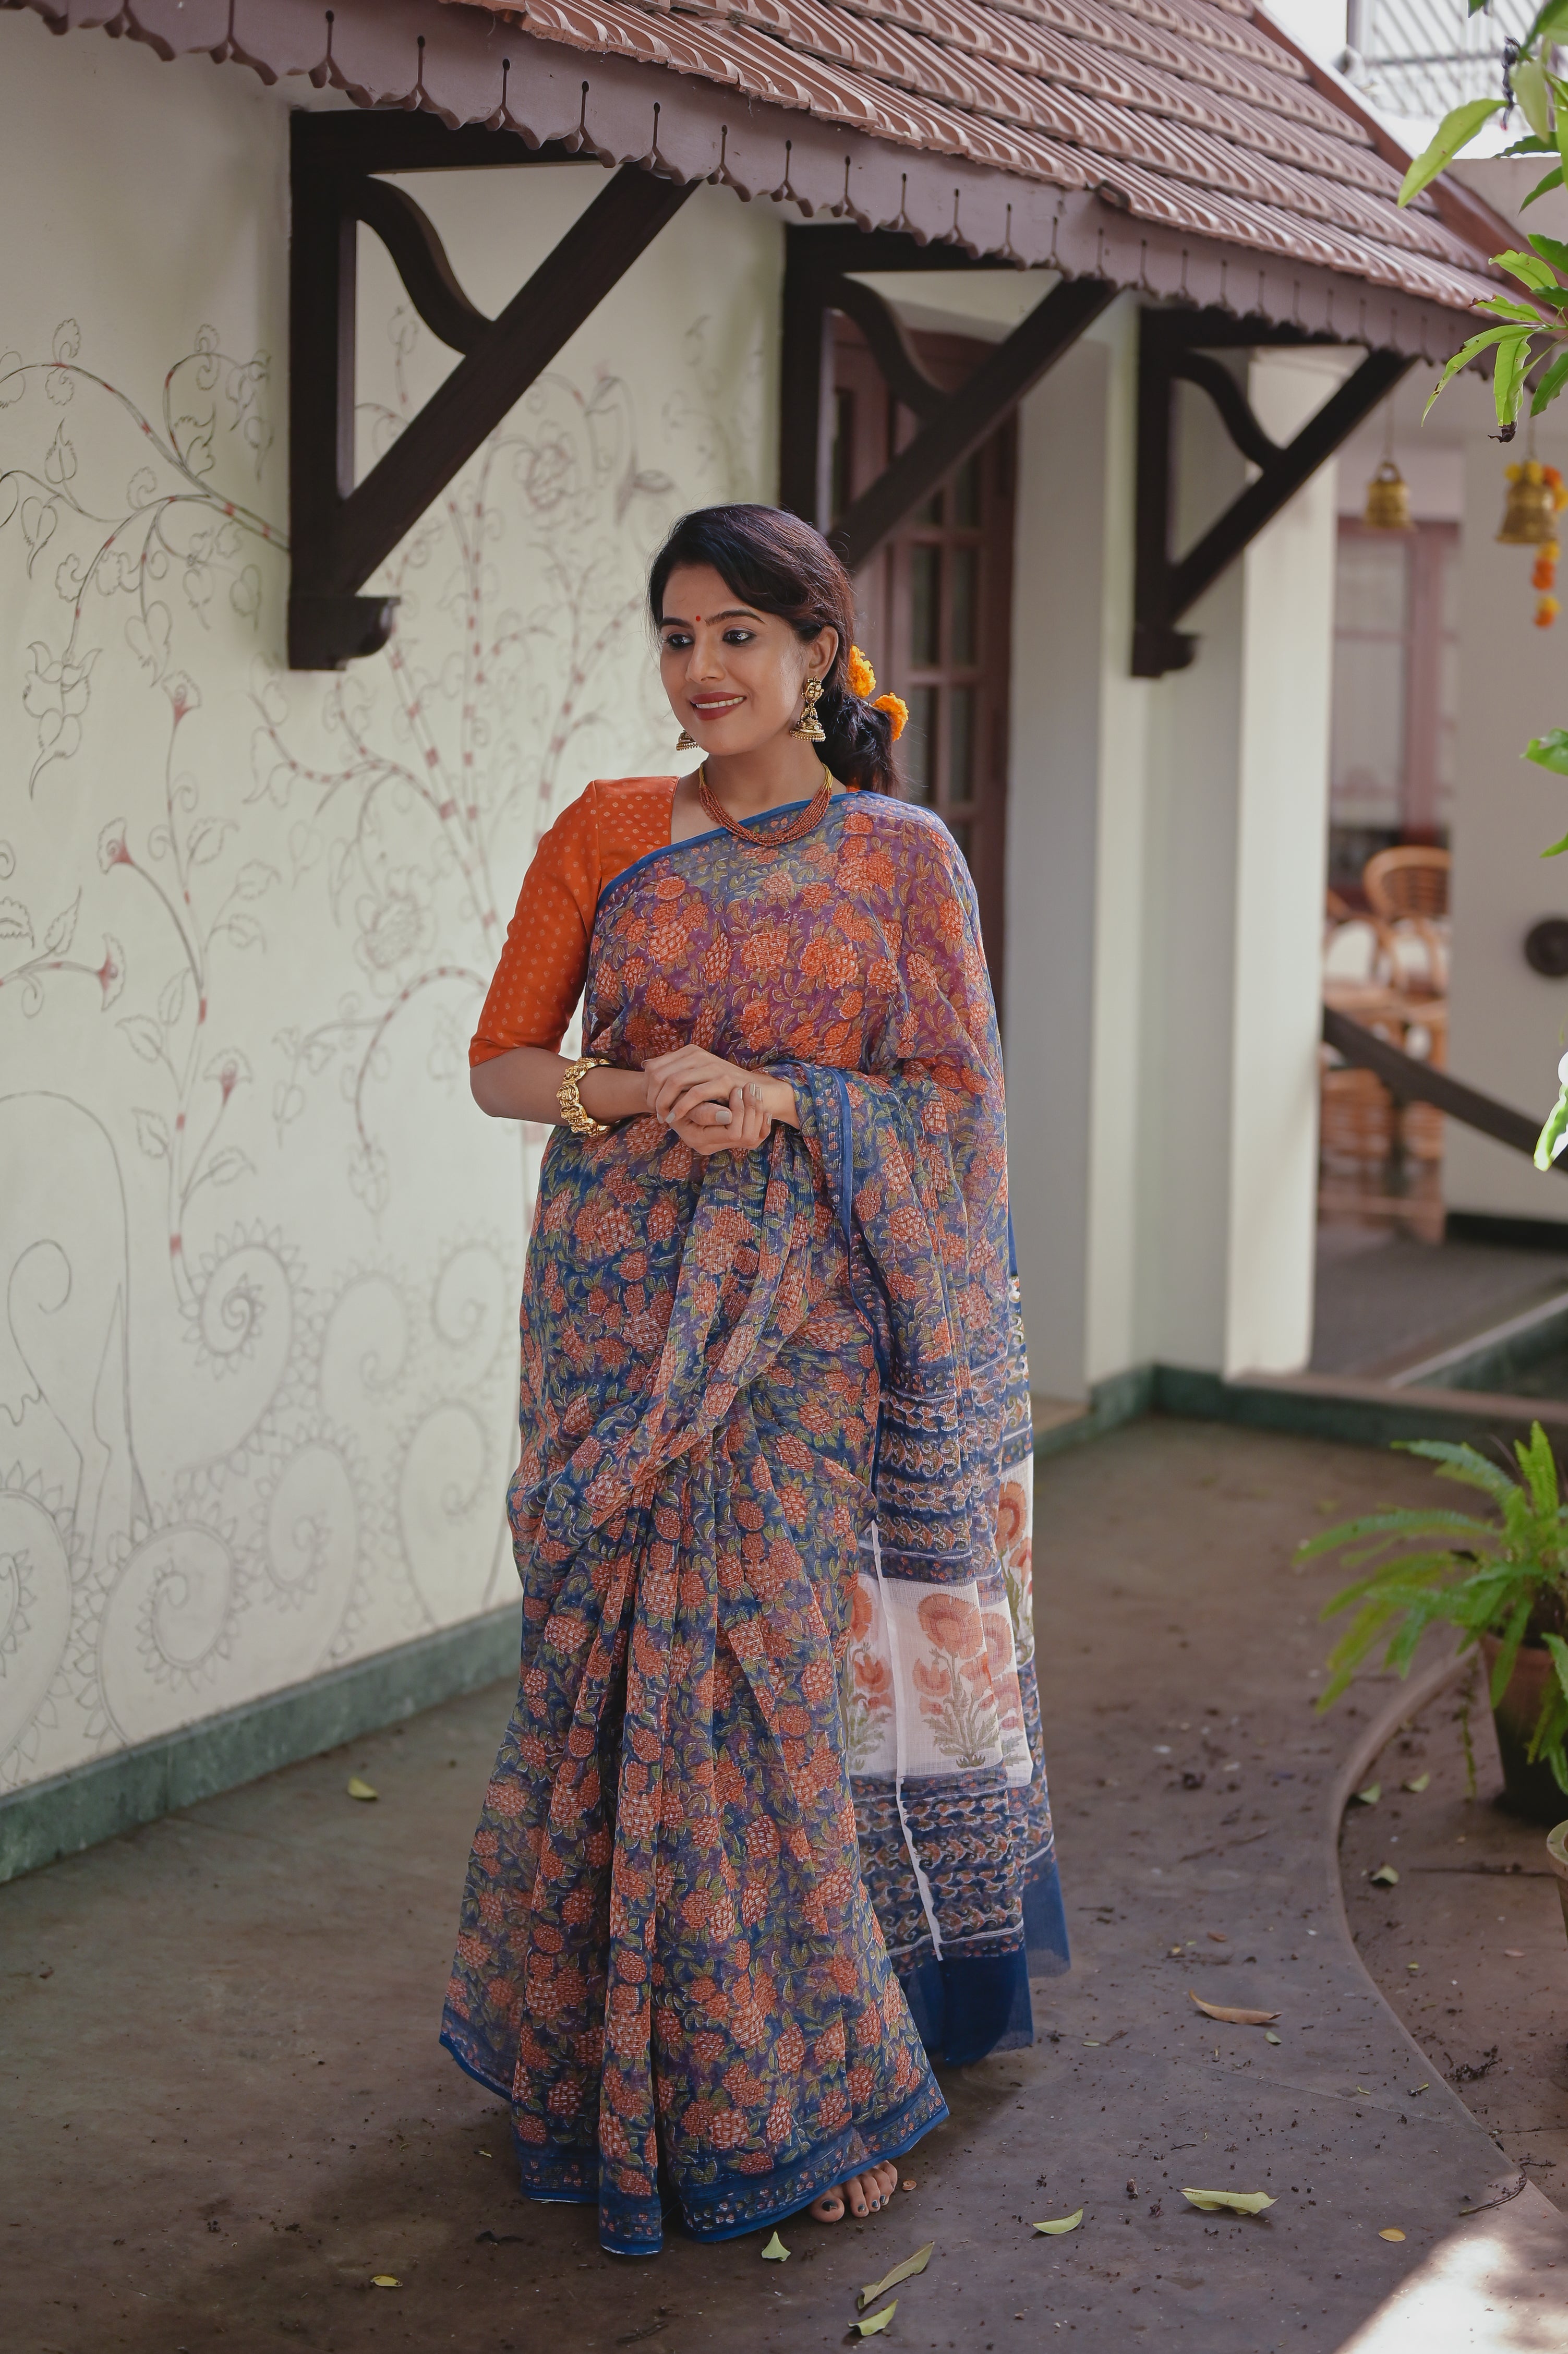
(1412, 880)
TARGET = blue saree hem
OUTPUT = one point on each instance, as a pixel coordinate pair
(1045, 1922)
(967, 2005)
(634, 2226)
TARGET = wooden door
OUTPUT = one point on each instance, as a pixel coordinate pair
(935, 608)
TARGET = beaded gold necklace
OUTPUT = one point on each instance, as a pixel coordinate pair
(797, 827)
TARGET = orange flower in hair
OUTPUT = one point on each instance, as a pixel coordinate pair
(859, 674)
(896, 709)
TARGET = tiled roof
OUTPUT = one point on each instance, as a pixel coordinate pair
(1187, 114)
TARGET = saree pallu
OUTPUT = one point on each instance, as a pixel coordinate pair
(769, 1828)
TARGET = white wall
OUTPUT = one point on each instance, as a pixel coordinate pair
(259, 1254)
(1166, 884)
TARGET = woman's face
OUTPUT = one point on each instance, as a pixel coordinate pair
(734, 675)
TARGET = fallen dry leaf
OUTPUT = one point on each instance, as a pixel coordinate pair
(358, 1789)
(1060, 2223)
(876, 2323)
(1385, 1876)
(385, 2280)
(1391, 2234)
(1233, 2202)
(776, 2252)
(1514, 1953)
(1216, 1937)
(1422, 1782)
(1229, 2013)
(906, 2270)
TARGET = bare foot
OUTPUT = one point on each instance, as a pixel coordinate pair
(864, 2193)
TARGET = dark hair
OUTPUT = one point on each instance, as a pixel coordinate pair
(779, 565)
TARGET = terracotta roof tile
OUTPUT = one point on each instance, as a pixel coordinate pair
(1185, 111)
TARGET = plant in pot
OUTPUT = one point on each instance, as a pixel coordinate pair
(1502, 1581)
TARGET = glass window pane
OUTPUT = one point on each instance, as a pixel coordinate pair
(960, 744)
(918, 747)
(967, 491)
(1372, 585)
(965, 596)
(1368, 755)
(925, 604)
(843, 450)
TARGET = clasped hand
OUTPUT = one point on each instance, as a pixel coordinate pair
(714, 1105)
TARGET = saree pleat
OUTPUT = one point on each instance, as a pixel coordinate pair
(768, 1825)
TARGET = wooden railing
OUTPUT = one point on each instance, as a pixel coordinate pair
(1411, 1081)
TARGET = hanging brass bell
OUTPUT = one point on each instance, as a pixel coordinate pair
(1388, 499)
(1530, 519)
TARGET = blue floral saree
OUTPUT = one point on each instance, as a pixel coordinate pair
(768, 1830)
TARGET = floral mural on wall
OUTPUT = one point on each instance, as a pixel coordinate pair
(258, 1270)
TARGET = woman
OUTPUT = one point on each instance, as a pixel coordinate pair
(774, 1408)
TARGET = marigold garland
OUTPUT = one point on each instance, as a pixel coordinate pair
(860, 679)
(1543, 577)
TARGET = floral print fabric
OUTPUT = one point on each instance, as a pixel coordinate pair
(712, 1921)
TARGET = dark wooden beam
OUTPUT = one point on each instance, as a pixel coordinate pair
(1174, 346)
(1417, 1082)
(1009, 371)
(823, 272)
(341, 530)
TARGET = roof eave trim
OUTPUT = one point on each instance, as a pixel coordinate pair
(465, 67)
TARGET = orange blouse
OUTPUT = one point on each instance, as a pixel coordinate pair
(545, 961)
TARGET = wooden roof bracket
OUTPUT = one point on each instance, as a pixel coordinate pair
(818, 280)
(1175, 346)
(341, 530)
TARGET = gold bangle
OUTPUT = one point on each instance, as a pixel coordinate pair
(574, 1111)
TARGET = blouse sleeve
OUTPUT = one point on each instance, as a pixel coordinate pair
(545, 961)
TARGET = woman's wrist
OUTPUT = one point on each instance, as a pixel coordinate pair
(611, 1094)
(779, 1101)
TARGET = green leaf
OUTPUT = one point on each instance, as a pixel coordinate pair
(877, 2323)
(1385, 1876)
(1234, 2202)
(1559, 1650)
(776, 2252)
(1371, 1794)
(1530, 269)
(906, 2270)
(1530, 146)
(1550, 752)
(1508, 377)
(1463, 356)
(1456, 129)
(1543, 186)
(1552, 250)
(1059, 2223)
(1422, 1782)
(1534, 97)
(1551, 1140)
(1550, 384)
(1270, 2036)
(1549, 17)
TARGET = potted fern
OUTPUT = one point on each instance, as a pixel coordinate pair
(1501, 1580)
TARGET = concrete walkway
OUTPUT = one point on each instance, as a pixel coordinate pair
(225, 2110)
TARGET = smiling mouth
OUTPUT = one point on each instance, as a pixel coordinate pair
(708, 705)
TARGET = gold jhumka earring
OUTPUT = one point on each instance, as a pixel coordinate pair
(809, 724)
(684, 743)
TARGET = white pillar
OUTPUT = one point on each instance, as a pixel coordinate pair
(1167, 850)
